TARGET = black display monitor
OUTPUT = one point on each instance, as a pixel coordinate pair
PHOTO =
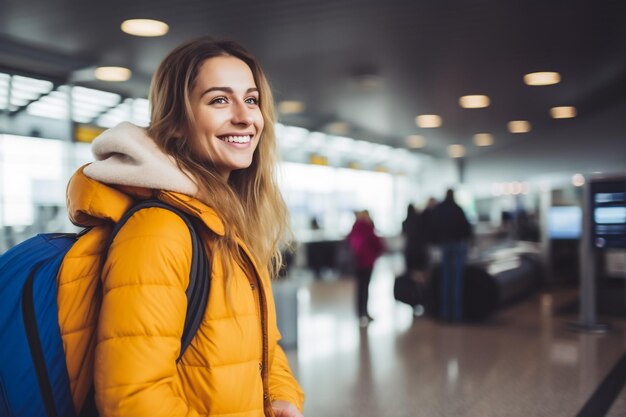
(608, 212)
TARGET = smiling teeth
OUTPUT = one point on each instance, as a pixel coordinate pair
(237, 139)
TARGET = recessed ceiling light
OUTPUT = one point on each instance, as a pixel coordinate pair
(483, 139)
(474, 102)
(338, 128)
(428, 120)
(290, 107)
(542, 78)
(456, 151)
(519, 126)
(415, 141)
(144, 27)
(563, 112)
(578, 180)
(112, 74)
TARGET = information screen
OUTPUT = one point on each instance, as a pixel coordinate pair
(608, 213)
(564, 222)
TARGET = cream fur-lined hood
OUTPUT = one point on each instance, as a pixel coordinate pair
(126, 155)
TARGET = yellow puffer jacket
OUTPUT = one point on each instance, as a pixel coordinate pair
(233, 367)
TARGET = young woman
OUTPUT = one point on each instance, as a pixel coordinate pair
(210, 150)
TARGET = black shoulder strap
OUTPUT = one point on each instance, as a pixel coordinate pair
(199, 274)
(197, 291)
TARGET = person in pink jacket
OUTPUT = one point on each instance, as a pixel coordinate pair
(366, 247)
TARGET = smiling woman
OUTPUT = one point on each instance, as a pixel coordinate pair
(229, 122)
(209, 151)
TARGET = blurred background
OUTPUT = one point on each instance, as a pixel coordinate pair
(519, 106)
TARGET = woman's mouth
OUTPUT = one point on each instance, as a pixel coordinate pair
(235, 139)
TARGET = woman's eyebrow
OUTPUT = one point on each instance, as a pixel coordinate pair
(227, 90)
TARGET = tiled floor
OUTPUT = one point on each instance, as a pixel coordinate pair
(522, 362)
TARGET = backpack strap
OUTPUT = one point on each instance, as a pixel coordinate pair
(199, 274)
(197, 290)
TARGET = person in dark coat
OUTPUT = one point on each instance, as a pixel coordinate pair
(452, 231)
(366, 247)
(416, 241)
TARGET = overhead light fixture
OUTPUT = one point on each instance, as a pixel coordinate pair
(415, 141)
(519, 126)
(290, 107)
(563, 112)
(474, 102)
(4, 90)
(483, 139)
(428, 120)
(338, 128)
(140, 112)
(31, 84)
(456, 151)
(144, 27)
(83, 96)
(115, 74)
(578, 180)
(542, 78)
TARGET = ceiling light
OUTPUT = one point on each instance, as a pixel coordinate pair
(140, 112)
(428, 120)
(83, 95)
(519, 126)
(456, 151)
(22, 94)
(115, 74)
(563, 112)
(542, 78)
(483, 139)
(38, 108)
(144, 27)
(578, 180)
(338, 128)
(31, 84)
(4, 90)
(415, 141)
(474, 102)
(290, 107)
(19, 101)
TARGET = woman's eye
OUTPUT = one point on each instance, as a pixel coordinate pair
(252, 100)
(219, 100)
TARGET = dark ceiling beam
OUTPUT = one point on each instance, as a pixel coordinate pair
(29, 60)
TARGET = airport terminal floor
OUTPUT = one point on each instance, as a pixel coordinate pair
(523, 361)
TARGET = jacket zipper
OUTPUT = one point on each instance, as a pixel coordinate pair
(36, 351)
(262, 311)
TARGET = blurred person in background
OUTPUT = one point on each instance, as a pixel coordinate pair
(210, 150)
(451, 230)
(415, 247)
(418, 233)
(366, 247)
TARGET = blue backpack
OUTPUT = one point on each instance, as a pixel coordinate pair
(33, 374)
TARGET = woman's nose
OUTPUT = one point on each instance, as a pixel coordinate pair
(242, 115)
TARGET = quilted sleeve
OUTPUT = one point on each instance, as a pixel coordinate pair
(141, 320)
(283, 385)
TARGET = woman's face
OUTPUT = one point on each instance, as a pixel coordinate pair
(229, 123)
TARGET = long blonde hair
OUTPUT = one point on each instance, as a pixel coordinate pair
(250, 203)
